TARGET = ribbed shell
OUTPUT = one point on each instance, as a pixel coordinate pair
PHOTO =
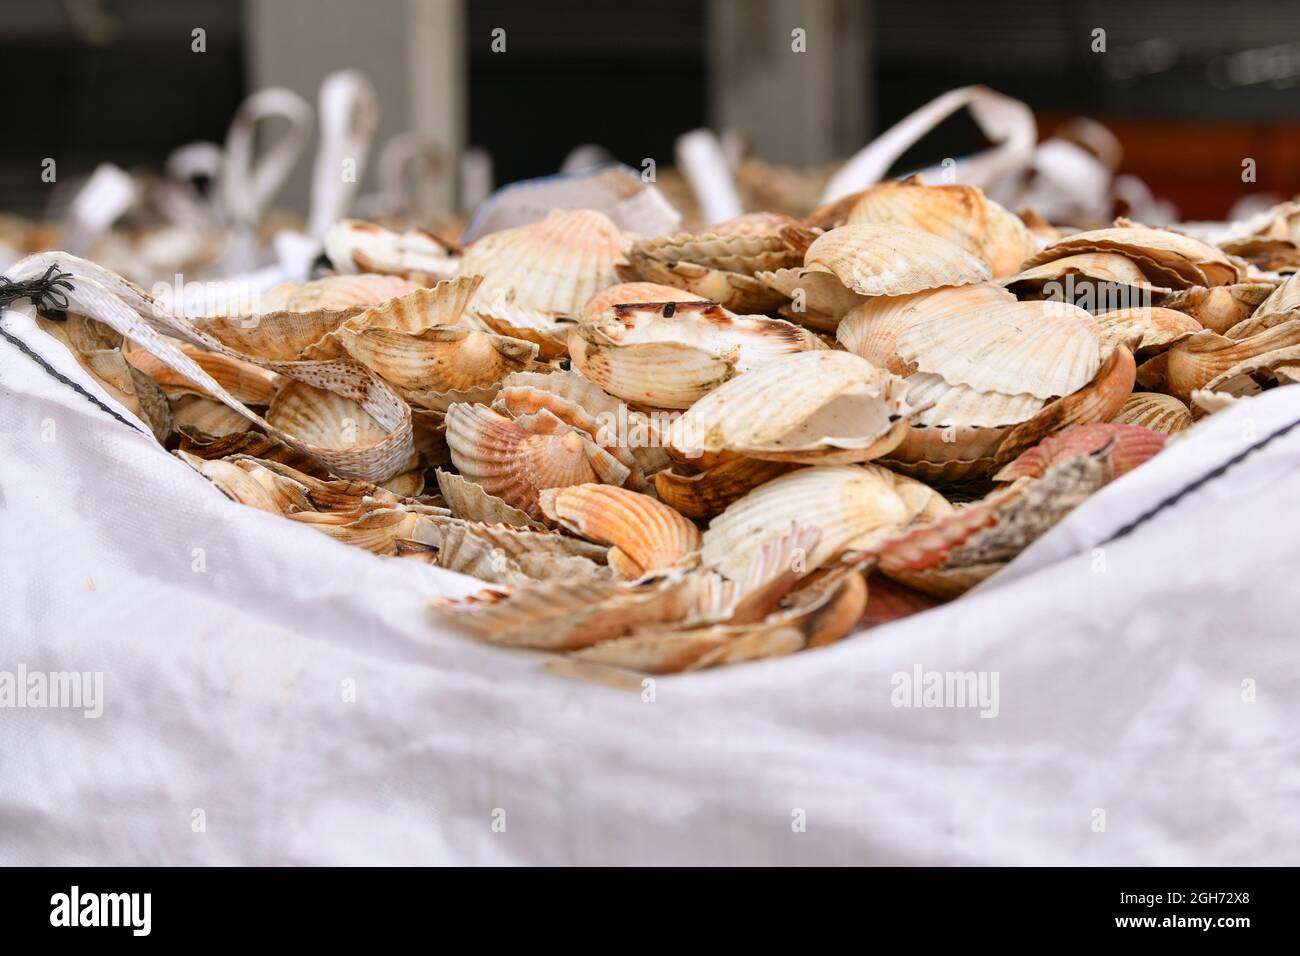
(893, 260)
(556, 263)
(1047, 349)
(851, 507)
(441, 358)
(812, 406)
(1131, 445)
(1146, 328)
(1096, 266)
(1157, 411)
(647, 535)
(335, 292)
(322, 418)
(510, 462)
(871, 330)
(1195, 262)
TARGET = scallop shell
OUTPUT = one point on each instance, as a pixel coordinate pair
(871, 330)
(643, 535)
(376, 531)
(1193, 362)
(1047, 349)
(725, 250)
(1093, 267)
(1281, 305)
(566, 615)
(441, 358)
(352, 245)
(251, 384)
(512, 463)
(873, 259)
(322, 418)
(1222, 307)
(732, 290)
(634, 434)
(469, 501)
(961, 215)
(1191, 261)
(333, 293)
(1155, 410)
(668, 356)
(942, 405)
(709, 493)
(1143, 329)
(555, 264)
(815, 407)
(818, 298)
(545, 329)
(853, 508)
(629, 293)
(1130, 446)
(196, 415)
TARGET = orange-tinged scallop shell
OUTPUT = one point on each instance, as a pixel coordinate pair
(335, 292)
(709, 492)
(872, 259)
(627, 293)
(441, 358)
(1193, 362)
(1092, 267)
(322, 418)
(644, 535)
(1222, 307)
(556, 263)
(732, 290)
(512, 463)
(1130, 446)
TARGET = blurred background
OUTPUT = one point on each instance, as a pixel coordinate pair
(1190, 89)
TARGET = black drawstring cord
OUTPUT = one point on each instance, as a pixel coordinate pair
(49, 294)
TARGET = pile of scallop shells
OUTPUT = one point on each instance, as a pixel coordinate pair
(672, 452)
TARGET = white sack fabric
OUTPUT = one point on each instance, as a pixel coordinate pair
(270, 696)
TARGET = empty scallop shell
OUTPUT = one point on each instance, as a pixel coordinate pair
(1092, 267)
(1188, 260)
(355, 246)
(643, 535)
(471, 502)
(335, 292)
(872, 259)
(546, 329)
(555, 264)
(1146, 328)
(817, 298)
(669, 355)
(511, 462)
(1155, 410)
(960, 214)
(853, 508)
(441, 358)
(196, 415)
(732, 290)
(1130, 446)
(251, 384)
(629, 293)
(1282, 304)
(871, 330)
(1047, 349)
(823, 407)
(321, 418)
(942, 405)
(1222, 307)
(725, 250)
(709, 492)
(1193, 362)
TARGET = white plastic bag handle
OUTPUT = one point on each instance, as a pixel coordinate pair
(704, 164)
(107, 194)
(247, 186)
(1007, 122)
(349, 115)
